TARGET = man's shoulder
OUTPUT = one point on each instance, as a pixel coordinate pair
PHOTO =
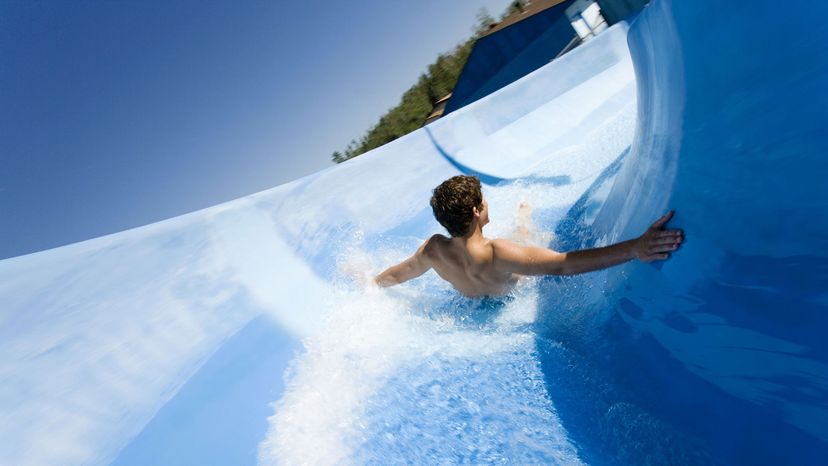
(501, 243)
(502, 248)
(433, 248)
(437, 238)
(435, 242)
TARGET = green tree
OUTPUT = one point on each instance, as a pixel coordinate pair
(514, 7)
(417, 102)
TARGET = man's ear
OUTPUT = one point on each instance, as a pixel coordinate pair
(476, 212)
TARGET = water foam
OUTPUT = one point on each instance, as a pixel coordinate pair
(372, 336)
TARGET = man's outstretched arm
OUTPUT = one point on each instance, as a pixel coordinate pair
(412, 267)
(655, 244)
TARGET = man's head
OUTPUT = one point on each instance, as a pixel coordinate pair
(457, 202)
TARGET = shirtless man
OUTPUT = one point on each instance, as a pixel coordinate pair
(478, 266)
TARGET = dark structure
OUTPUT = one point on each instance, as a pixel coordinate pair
(526, 40)
(617, 10)
(513, 48)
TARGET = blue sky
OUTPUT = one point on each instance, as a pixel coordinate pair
(115, 114)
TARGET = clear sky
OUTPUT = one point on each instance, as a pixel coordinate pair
(115, 114)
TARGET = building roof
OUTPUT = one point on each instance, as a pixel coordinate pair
(534, 7)
(445, 98)
(438, 110)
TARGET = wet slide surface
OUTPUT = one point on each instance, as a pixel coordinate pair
(240, 335)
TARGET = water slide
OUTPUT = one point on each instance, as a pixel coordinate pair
(239, 334)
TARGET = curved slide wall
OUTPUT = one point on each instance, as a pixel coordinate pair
(236, 335)
(719, 354)
(731, 135)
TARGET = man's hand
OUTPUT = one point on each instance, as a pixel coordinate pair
(656, 243)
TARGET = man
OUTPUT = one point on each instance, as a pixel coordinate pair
(478, 266)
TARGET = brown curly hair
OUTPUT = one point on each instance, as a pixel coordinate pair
(453, 201)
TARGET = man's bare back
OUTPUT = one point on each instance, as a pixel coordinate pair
(468, 265)
(477, 266)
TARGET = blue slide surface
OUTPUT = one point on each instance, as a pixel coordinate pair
(239, 334)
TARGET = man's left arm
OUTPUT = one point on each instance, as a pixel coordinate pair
(412, 267)
(655, 244)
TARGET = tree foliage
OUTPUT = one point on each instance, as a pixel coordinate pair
(417, 102)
